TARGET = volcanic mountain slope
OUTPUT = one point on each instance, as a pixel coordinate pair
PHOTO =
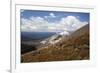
(72, 47)
(53, 39)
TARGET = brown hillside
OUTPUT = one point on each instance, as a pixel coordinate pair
(73, 47)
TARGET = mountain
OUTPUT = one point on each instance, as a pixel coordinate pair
(55, 38)
(80, 36)
(65, 47)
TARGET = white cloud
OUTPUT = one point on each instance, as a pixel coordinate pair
(64, 33)
(40, 24)
(45, 17)
(72, 22)
(52, 15)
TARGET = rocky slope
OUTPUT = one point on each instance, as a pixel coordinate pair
(72, 47)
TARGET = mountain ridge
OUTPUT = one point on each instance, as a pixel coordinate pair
(72, 47)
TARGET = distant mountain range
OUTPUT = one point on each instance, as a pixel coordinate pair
(62, 46)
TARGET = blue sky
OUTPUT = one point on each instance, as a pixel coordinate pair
(35, 18)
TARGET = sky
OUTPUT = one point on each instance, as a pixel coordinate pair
(52, 21)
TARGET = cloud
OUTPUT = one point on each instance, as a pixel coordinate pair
(52, 15)
(33, 24)
(72, 22)
(39, 24)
